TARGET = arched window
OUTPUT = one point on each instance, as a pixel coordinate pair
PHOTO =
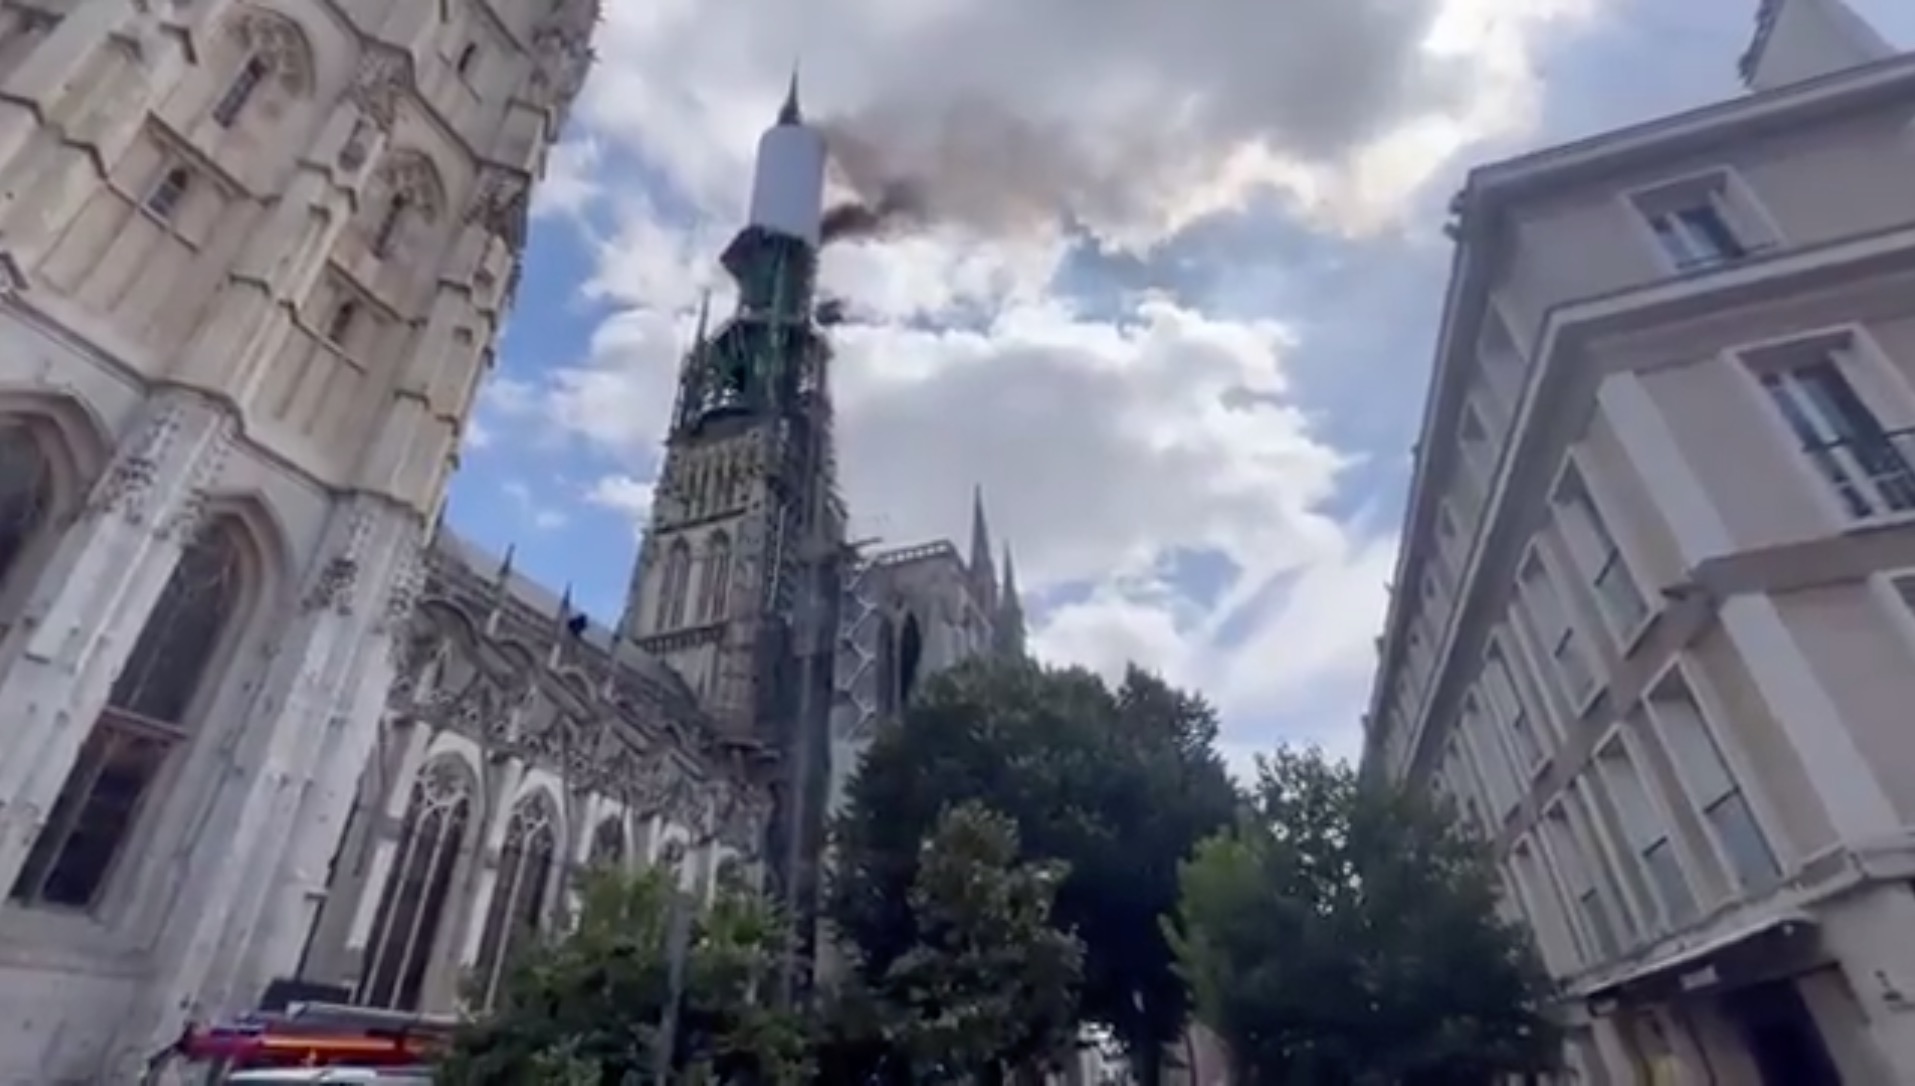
(405, 930)
(240, 91)
(519, 894)
(145, 721)
(714, 594)
(608, 843)
(390, 220)
(673, 581)
(26, 493)
(166, 196)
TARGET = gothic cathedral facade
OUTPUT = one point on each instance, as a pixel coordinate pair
(264, 719)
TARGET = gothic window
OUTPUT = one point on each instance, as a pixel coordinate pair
(389, 223)
(240, 91)
(145, 720)
(340, 325)
(166, 196)
(714, 593)
(608, 843)
(405, 930)
(519, 893)
(406, 192)
(26, 493)
(672, 584)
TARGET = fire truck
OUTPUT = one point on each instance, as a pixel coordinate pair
(311, 1043)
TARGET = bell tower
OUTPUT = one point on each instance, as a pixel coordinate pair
(736, 581)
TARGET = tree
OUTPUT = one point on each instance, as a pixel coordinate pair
(1346, 933)
(586, 1007)
(1117, 784)
(991, 982)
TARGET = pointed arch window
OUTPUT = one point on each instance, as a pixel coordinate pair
(26, 494)
(240, 91)
(145, 720)
(715, 591)
(673, 582)
(608, 844)
(517, 909)
(406, 929)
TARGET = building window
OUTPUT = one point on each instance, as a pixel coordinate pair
(145, 720)
(1701, 222)
(516, 912)
(1686, 734)
(1544, 907)
(344, 316)
(673, 582)
(608, 844)
(715, 593)
(1646, 833)
(390, 222)
(1554, 631)
(240, 91)
(1505, 786)
(1865, 464)
(405, 930)
(1506, 707)
(1598, 925)
(1595, 553)
(166, 196)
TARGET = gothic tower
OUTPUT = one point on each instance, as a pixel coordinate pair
(736, 583)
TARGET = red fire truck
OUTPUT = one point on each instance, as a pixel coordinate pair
(370, 1045)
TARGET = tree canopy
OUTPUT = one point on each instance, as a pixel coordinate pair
(1117, 784)
(586, 1008)
(1346, 933)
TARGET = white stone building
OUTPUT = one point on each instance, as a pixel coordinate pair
(1652, 623)
(261, 722)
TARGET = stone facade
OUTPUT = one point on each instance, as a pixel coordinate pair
(254, 257)
(263, 721)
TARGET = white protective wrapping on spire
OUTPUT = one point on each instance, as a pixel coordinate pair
(788, 190)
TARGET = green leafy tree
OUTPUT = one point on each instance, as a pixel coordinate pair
(586, 1007)
(991, 983)
(1117, 784)
(1346, 934)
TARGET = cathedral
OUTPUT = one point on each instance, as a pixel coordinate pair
(268, 725)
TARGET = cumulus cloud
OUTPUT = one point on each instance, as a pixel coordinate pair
(1113, 430)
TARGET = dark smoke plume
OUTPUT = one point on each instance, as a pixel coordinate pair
(899, 205)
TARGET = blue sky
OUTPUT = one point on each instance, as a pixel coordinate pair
(1190, 411)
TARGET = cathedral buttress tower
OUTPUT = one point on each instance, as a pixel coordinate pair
(736, 586)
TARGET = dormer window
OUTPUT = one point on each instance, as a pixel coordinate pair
(165, 197)
(239, 92)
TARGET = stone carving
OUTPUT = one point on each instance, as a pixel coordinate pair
(384, 76)
(280, 43)
(499, 205)
(358, 146)
(332, 589)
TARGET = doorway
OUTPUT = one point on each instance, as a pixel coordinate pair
(1783, 1040)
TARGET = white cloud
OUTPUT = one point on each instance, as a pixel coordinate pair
(1109, 438)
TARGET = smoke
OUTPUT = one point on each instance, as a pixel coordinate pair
(1005, 117)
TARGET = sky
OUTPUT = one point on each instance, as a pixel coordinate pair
(1174, 313)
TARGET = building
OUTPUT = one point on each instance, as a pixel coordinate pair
(263, 719)
(1652, 622)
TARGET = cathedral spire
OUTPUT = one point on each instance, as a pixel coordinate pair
(789, 113)
(1008, 624)
(982, 573)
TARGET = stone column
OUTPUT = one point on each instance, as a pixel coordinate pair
(91, 603)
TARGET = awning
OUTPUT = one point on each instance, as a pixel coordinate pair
(1699, 955)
